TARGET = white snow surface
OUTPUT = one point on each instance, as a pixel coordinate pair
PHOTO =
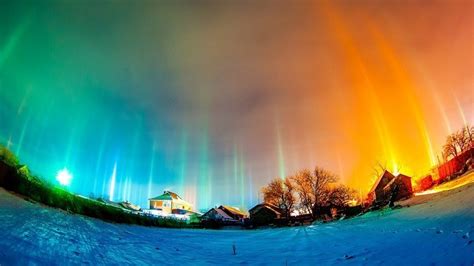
(437, 231)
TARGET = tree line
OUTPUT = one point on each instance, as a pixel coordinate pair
(308, 192)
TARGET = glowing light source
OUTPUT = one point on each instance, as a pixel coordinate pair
(64, 177)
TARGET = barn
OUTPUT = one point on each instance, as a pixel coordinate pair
(398, 188)
(376, 194)
(389, 187)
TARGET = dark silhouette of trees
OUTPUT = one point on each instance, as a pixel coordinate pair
(340, 195)
(320, 184)
(280, 192)
(458, 142)
(315, 190)
(303, 188)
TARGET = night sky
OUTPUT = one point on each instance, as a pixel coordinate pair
(212, 99)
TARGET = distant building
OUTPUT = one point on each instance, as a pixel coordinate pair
(265, 214)
(398, 188)
(170, 203)
(224, 215)
(216, 214)
(389, 187)
(376, 194)
(233, 212)
(425, 183)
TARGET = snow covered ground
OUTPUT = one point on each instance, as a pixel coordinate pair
(437, 231)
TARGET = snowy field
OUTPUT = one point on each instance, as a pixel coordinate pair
(437, 231)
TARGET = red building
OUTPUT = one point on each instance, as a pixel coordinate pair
(425, 183)
(455, 165)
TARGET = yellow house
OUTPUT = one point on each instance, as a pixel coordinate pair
(169, 202)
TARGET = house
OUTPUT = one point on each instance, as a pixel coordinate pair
(376, 194)
(223, 215)
(386, 185)
(216, 214)
(265, 214)
(398, 188)
(169, 203)
(233, 212)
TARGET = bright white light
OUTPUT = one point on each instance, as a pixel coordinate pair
(64, 177)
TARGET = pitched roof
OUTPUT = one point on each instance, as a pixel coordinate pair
(400, 177)
(269, 206)
(223, 214)
(220, 213)
(167, 195)
(162, 197)
(233, 210)
(376, 184)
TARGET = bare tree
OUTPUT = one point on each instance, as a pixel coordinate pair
(280, 192)
(313, 188)
(468, 132)
(450, 149)
(458, 142)
(321, 179)
(303, 181)
(340, 195)
(378, 169)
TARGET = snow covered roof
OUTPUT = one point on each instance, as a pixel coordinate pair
(233, 210)
(269, 206)
(223, 214)
(218, 212)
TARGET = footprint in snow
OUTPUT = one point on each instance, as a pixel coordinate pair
(348, 257)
